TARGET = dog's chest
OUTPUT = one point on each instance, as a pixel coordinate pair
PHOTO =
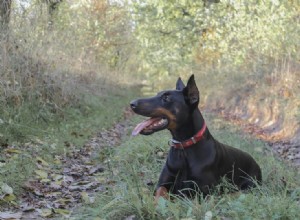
(192, 162)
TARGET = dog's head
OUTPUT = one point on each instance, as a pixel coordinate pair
(168, 109)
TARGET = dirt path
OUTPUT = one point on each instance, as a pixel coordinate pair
(287, 151)
(73, 180)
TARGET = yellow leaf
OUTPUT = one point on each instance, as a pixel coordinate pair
(12, 150)
(45, 180)
(9, 197)
(62, 211)
(42, 174)
(63, 201)
(57, 162)
(57, 177)
(58, 183)
(45, 212)
(53, 194)
(145, 190)
(43, 162)
(86, 198)
(101, 179)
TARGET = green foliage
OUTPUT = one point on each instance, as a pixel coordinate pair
(98, 28)
(167, 32)
(173, 33)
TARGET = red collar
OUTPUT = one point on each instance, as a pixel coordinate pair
(189, 142)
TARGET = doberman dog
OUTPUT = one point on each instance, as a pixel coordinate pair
(196, 160)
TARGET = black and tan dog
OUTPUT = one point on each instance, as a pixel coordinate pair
(196, 160)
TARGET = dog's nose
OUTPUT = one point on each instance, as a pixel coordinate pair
(133, 104)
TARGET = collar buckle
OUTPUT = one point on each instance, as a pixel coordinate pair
(176, 144)
(196, 138)
(193, 140)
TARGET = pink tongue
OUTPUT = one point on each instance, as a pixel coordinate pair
(143, 125)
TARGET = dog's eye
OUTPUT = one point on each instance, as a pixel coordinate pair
(166, 98)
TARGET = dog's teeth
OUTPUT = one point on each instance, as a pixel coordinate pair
(159, 123)
(162, 121)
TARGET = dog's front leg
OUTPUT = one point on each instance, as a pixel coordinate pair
(164, 183)
(161, 192)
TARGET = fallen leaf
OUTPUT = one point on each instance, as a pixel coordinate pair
(41, 161)
(53, 146)
(96, 169)
(9, 197)
(63, 201)
(42, 174)
(27, 207)
(45, 180)
(13, 151)
(80, 187)
(57, 176)
(63, 212)
(52, 194)
(6, 189)
(56, 185)
(67, 178)
(131, 217)
(86, 198)
(258, 149)
(10, 216)
(208, 215)
(38, 141)
(45, 212)
(160, 154)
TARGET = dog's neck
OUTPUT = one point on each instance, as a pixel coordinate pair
(190, 128)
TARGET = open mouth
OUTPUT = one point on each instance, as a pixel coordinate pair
(150, 126)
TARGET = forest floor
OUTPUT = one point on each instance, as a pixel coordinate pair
(72, 184)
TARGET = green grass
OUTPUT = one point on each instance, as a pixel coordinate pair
(74, 127)
(139, 160)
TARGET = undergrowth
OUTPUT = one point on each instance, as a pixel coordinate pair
(59, 84)
(57, 136)
(136, 164)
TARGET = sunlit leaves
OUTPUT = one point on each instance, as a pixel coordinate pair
(173, 33)
(167, 31)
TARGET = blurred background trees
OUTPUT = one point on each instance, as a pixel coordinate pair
(245, 54)
(231, 32)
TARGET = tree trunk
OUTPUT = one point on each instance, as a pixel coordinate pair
(52, 7)
(5, 8)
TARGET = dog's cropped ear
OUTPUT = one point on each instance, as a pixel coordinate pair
(179, 84)
(191, 91)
